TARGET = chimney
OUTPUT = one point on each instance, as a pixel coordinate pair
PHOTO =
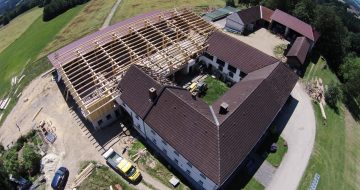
(152, 94)
(223, 108)
(193, 95)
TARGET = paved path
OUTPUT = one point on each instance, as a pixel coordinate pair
(110, 15)
(300, 136)
(265, 173)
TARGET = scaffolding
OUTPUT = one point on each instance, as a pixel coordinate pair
(163, 43)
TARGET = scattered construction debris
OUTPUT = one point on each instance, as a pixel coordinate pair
(4, 103)
(315, 89)
(138, 155)
(46, 132)
(174, 181)
(83, 175)
(49, 164)
(37, 113)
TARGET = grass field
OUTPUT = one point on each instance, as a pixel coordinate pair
(253, 185)
(12, 31)
(336, 152)
(130, 8)
(26, 48)
(216, 89)
(101, 178)
(275, 158)
(87, 21)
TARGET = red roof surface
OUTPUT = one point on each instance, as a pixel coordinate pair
(299, 49)
(294, 23)
(266, 13)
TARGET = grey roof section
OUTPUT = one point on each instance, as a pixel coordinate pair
(219, 13)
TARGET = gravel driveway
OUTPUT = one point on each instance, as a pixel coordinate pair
(299, 134)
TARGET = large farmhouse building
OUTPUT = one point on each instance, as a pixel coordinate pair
(130, 66)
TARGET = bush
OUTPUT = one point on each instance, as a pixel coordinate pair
(333, 94)
(31, 159)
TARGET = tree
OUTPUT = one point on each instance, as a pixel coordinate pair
(350, 73)
(11, 163)
(332, 43)
(354, 40)
(31, 159)
(333, 94)
(305, 10)
(230, 3)
(4, 178)
(284, 5)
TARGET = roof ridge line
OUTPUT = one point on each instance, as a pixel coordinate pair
(189, 104)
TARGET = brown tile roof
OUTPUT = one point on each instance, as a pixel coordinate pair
(242, 130)
(237, 53)
(299, 49)
(250, 15)
(294, 23)
(266, 13)
(254, 14)
(189, 125)
(135, 87)
(187, 130)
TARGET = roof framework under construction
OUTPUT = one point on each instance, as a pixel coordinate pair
(163, 42)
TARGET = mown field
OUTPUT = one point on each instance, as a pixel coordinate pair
(12, 31)
(336, 152)
(130, 8)
(27, 47)
(89, 20)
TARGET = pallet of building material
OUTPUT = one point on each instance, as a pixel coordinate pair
(5, 103)
(83, 175)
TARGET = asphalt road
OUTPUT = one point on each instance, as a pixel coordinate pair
(299, 134)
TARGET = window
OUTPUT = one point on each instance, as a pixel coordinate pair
(232, 69)
(100, 122)
(176, 161)
(201, 182)
(154, 141)
(242, 74)
(176, 153)
(164, 142)
(124, 104)
(153, 132)
(138, 126)
(207, 55)
(189, 164)
(108, 117)
(188, 172)
(164, 150)
(220, 62)
(203, 176)
(231, 74)
(137, 117)
(221, 68)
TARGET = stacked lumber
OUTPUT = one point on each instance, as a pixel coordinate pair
(83, 175)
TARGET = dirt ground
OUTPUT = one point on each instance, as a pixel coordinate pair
(71, 147)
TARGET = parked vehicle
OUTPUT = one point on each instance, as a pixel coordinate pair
(122, 165)
(60, 178)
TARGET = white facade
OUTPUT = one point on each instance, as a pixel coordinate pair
(234, 76)
(176, 158)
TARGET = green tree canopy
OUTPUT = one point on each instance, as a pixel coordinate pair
(305, 10)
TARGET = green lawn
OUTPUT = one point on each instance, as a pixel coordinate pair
(101, 178)
(216, 88)
(26, 48)
(17, 26)
(160, 171)
(89, 20)
(253, 185)
(335, 156)
(275, 158)
(130, 8)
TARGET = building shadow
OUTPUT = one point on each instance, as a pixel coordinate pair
(262, 150)
(102, 139)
